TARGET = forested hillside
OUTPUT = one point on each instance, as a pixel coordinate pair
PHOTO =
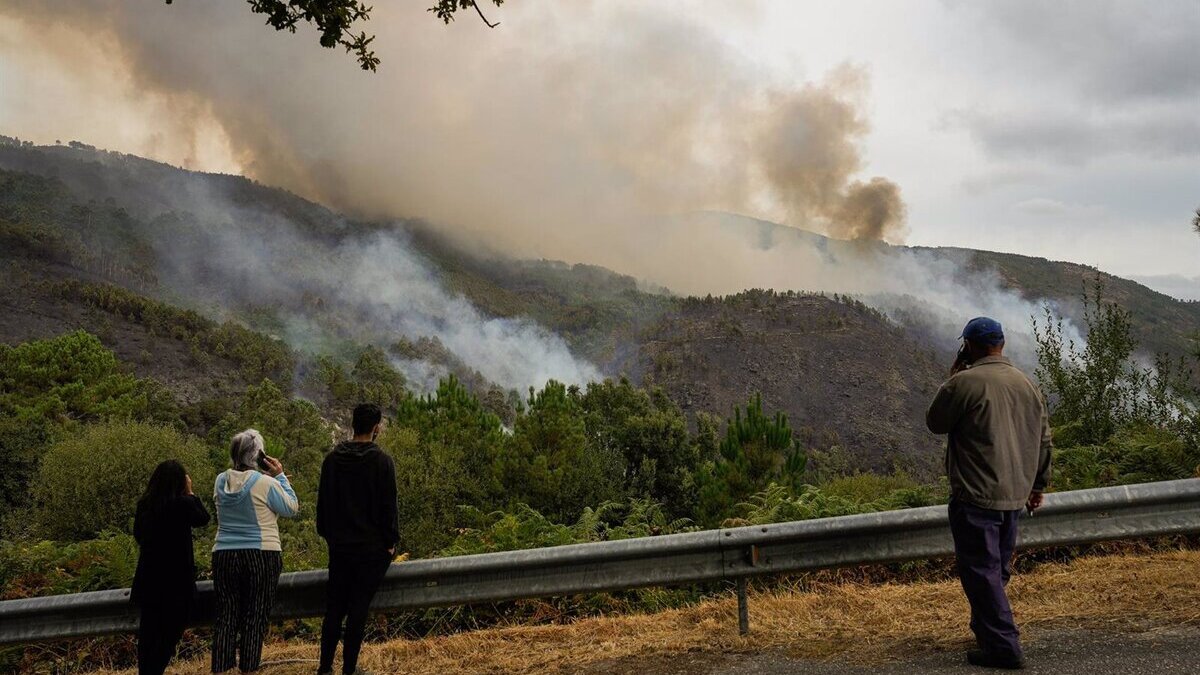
(150, 312)
(253, 256)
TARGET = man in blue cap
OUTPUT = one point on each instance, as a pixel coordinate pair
(998, 460)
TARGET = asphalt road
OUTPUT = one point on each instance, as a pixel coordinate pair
(1050, 652)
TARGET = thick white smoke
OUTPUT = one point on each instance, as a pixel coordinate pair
(393, 287)
(367, 284)
(931, 291)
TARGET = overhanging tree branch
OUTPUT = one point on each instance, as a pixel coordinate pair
(445, 10)
(335, 18)
(493, 25)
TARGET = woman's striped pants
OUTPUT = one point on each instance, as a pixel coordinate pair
(244, 581)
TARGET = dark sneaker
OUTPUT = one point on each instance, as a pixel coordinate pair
(978, 657)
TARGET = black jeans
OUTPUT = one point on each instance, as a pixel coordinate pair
(354, 576)
(984, 540)
(244, 581)
(161, 624)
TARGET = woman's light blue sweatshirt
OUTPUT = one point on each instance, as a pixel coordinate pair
(249, 504)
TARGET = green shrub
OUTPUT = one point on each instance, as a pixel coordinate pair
(868, 487)
(89, 482)
(778, 504)
(39, 242)
(29, 569)
(517, 529)
(523, 527)
(1080, 467)
(1135, 454)
(22, 438)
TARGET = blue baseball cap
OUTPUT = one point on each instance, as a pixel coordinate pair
(983, 330)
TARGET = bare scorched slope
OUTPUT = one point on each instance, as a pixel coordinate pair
(845, 376)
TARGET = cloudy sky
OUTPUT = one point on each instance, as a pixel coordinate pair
(1059, 129)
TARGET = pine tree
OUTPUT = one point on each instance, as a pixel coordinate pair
(757, 450)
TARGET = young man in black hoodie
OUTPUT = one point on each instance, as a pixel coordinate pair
(356, 514)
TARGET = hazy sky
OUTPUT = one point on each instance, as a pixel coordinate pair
(1060, 129)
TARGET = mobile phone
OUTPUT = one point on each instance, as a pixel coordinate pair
(262, 462)
(963, 356)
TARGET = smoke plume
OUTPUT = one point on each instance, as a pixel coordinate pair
(569, 120)
(587, 131)
(808, 152)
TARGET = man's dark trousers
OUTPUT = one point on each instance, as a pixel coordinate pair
(984, 540)
(354, 576)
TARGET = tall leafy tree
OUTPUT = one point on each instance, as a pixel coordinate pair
(650, 433)
(293, 429)
(443, 444)
(547, 462)
(452, 417)
(1097, 388)
(372, 379)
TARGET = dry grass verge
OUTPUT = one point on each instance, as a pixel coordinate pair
(860, 622)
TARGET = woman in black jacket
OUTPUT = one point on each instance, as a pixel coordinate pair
(164, 585)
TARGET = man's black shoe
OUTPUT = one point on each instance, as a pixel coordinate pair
(978, 657)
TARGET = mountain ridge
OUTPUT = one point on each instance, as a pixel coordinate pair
(853, 379)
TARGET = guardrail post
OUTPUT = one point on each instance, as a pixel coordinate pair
(743, 607)
(752, 555)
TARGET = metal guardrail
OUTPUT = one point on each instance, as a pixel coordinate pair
(734, 554)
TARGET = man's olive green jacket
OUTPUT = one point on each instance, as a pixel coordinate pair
(999, 434)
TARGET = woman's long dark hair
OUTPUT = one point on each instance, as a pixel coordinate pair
(168, 481)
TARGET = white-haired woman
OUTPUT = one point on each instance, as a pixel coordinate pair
(247, 557)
